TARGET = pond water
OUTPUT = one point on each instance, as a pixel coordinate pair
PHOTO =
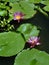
(43, 24)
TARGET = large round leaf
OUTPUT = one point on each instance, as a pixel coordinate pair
(24, 7)
(28, 30)
(28, 9)
(32, 57)
(15, 8)
(10, 43)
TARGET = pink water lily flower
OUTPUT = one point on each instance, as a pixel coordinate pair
(33, 41)
(18, 16)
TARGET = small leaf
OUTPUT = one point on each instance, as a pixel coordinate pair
(28, 30)
(10, 43)
(3, 13)
(32, 57)
(35, 1)
(11, 1)
(46, 2)
(46, 8)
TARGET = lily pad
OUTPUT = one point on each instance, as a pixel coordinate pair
(35, 1)
(28, 9)
(32, 57)
(28, 30)
(46, 8)
(25, 7)
(11, 1)
(11, 43)
(46, 2)
(3, 13)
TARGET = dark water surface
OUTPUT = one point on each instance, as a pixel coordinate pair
(43, 23)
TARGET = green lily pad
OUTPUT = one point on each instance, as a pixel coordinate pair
(11, 1)
(46, 2)
(46, 8)
(25, 7)
(10, 43)
(35, 1)
(3, 13)
(28, 30)
(32, 57)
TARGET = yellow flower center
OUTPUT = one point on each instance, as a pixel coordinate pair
(18, 17)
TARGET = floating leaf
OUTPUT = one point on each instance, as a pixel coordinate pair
(28, 9)
(46, 8)
(10, 43)
(15, 8)
(32, 57)
(28, 30)
(24, 7)
(46, 2)
(35, 1)
(3, 13)
(11, 1)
